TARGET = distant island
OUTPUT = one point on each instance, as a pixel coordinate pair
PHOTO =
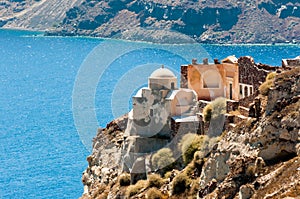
(264, 21)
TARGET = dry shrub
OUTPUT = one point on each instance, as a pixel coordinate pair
(195, 186)
(265, 87)
(163, 159)
(199, 159)
(154, 180)
(189, 144)
(100, 192)
(168, 175)
(215, 109)
(180, 183)
(271, 76)
(124, 179)
(135, 189)
(218, 107)
(207, 113)
(154, 193)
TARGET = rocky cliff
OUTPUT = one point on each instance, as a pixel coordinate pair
(258, 158)
(34, 14)
(226, 21)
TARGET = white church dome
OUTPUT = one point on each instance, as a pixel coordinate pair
(162, 73)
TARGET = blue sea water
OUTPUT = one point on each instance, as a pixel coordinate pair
(43, 148)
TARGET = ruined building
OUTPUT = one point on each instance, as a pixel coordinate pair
(291, 63)
(233, 78)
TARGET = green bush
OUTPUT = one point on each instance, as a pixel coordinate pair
(163, 158)
(218, 107)
(207, 113)
(180, 183)
(168, 175)
(199, 159)
(124, 179)
(154, 180)
(154, 193)
(265, 87)
(271, 76)
(135, 189)
(215, 109)
(189, 144)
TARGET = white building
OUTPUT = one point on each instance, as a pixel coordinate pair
(154, 106)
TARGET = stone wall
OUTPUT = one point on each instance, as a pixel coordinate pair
(184, 77)
(290, 63)
(231, 105)
(202, 104)
(251, 73)
(245, 102)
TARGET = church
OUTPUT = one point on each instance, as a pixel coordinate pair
(155, 106)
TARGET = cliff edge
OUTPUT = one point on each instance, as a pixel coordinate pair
(259, 157)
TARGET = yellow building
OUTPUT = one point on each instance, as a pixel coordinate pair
(212, 80)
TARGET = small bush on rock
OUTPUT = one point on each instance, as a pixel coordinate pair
(100, 192)
(265, 87)
(135, 189)
(124, 179)
(271, 76)
(189, 144)
(218, 107)
(207, 112)
(168, 175)
(214, 109)
(154, 193)
(163, 159)
(154, 180)
(180, 183)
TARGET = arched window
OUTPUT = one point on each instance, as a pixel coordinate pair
(230, 91)
(211, 79)
(241, 89)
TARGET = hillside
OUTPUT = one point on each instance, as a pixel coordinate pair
(34, 14)
(257, 158)
(226, 21)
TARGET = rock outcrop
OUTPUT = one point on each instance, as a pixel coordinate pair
(264, 21)
(250, 153)
(105, 160)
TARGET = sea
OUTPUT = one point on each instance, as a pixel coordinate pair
(55, 92)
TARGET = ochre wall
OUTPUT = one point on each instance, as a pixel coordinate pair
(222, 73)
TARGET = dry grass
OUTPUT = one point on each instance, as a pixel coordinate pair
(154, 193)
(265, 87)
(124, 179)
(163, 159)
(137, 188)
(180, 183)
(154, 180)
